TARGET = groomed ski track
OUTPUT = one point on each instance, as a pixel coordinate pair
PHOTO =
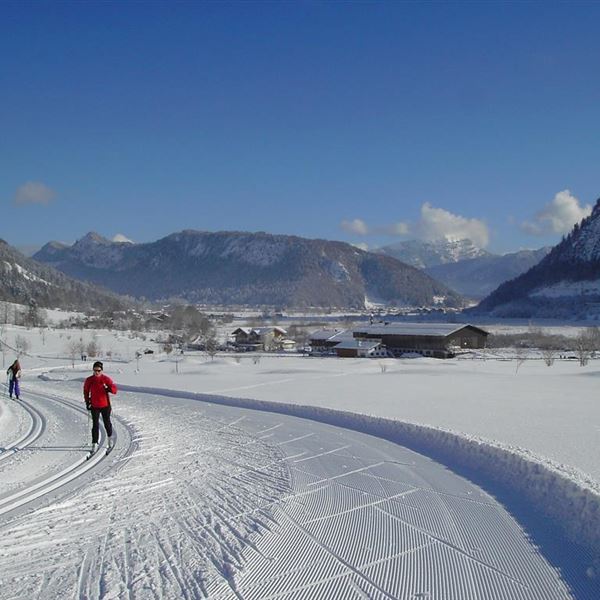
(57, 428)
(210, 501)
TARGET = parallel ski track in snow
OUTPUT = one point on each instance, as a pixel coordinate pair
(36, 428)
(56, 480)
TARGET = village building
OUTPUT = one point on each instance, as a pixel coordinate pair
(249, 339)
(361, 348)
(438, 340)
(324, 341)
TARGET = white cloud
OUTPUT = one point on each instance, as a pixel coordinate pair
(121, 238)
(434, 224)
(357, 226)
(399, 228)
(437, 223)
(558, 216)
(33, 192)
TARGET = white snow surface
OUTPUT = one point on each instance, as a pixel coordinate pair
(536, 430)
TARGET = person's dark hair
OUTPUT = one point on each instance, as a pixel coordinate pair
(98, 364)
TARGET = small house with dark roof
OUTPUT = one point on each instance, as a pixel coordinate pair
(439, 340)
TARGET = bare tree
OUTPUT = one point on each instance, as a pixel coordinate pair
(21, 344)
(584, 345)
(548, 347)
(93, 348)
(520, 356)
(548, 355)
(73, 349)
(594, 333)
(211, 347)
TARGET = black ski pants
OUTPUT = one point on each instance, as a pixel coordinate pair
(96, 412)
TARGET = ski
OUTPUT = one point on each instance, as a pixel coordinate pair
(109, 450)
(91, 453)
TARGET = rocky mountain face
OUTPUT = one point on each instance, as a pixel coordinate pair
(566, 283)
(429, 254)
(477, 277)
(24, 279)
(247, 268)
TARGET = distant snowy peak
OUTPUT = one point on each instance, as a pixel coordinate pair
(121, 239)
(422, 254)
(92, 250)
(91, 239)
(480, 276)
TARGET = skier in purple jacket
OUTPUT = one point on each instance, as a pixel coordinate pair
(14, 374)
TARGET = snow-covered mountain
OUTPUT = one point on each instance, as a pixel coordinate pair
(566, 283)
(24, 279)
(422, 254)
(247, 268)
(480, 276)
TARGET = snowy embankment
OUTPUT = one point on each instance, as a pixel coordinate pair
(562, 493)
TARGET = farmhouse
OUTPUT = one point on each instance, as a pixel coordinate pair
(361, 348)
(324, 341)
(258, 338)
(439, 340)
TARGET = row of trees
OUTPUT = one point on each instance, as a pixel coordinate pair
(550, 345)
(30, 315)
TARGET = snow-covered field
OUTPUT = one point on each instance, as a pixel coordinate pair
(201, 500)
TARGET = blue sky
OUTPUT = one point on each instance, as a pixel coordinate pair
(367, 122)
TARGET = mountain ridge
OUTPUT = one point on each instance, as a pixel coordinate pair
(564, 283)
(247, 268)
(24, 279)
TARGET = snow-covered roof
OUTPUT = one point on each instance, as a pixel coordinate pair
(323, 334)
(259, 330)
(263, 330)
(342, 336)
(245, 330)
(356, 343)
(433, 329)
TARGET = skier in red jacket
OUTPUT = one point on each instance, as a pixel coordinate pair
(96, 389)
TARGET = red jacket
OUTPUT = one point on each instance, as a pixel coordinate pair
(95, 390)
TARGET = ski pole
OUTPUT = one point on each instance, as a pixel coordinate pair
(89, 417)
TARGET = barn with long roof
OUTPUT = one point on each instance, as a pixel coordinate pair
(439, 340)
